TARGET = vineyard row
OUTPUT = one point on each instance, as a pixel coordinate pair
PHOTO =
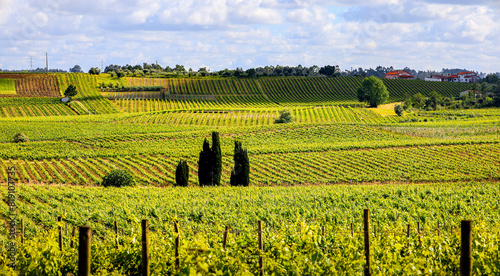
(421, 164)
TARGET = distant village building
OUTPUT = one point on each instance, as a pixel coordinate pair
(464, 77)
(403, 75)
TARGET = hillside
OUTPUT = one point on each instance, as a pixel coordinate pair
(189, 93)
(263, 92)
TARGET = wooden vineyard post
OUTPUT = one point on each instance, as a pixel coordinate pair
(439, 230)
(177, 243)
(352, 230)
(261, 249)
(466, 252)
(418, 231)
(85, 237)
(224, 241)
(323, 230)
(59, 222)
(73, 237)
(407, 230)
(116, 234)
(145, 247)
(22, 231)
(366, 222)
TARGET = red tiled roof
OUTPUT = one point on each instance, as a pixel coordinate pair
(402, 74)
(463, 73)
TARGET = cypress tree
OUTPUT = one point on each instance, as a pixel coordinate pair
(204, 165)
(210, 162)
(240, 175)
(182, 174)
(216, 159)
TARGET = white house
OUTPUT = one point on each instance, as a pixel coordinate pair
(468, 77)
(464, 77)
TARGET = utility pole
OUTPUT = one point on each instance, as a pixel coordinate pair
(46, 63)
(102, 66)
(31, 63)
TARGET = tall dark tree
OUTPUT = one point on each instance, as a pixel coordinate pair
(210, 162)
(216, 158)
(182, 174)
(204, 165)
(240, 175)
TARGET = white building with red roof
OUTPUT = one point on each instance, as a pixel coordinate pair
(464, 77)
(468, 77)
(399, 75)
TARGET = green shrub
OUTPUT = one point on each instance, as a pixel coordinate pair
(118, 178)
(285, 117)
(398, 109)
(21, 138)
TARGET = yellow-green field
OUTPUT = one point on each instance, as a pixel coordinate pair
(7, 86)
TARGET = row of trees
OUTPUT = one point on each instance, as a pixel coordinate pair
(210, 165)
(180, 70)
(278, 70)
(436, 101)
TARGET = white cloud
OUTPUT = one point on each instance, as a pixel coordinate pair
(224, 34)
(5, 10)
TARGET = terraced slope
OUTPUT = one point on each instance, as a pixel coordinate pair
(32, 85)
(88, 92)
(263, 92)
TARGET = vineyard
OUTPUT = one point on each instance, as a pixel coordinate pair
(32, 85)
(7, 86)
(310, 179)
(39, 95)
(33, 107)
(400, 164)
(263, 92)
(314, 230)
(88, 92)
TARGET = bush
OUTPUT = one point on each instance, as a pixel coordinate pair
(285, 117)
(118, 178)
(398, 109)
(21, 138)
(182, 174)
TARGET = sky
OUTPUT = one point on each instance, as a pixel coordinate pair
(219, 34)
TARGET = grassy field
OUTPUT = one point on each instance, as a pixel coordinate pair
(7, 86)
(424, 167)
